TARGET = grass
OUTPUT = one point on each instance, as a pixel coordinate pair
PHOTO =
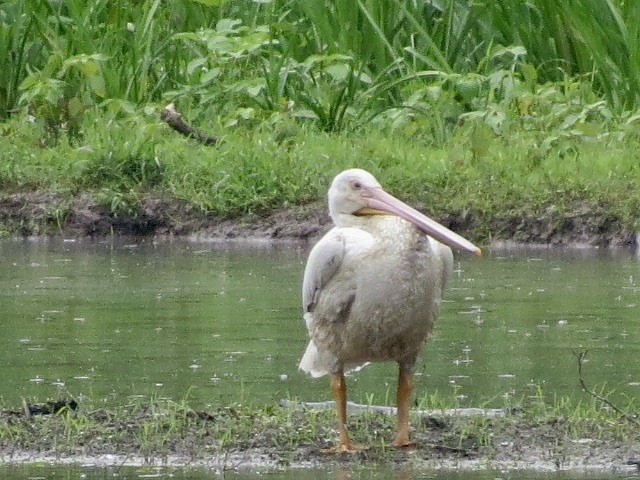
(337, 63)
(564, 156)
(159, 427)
(62, 58)
(489, 114)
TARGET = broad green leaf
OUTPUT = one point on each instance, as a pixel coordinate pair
(97, 85)
(210, 75)
(195, 64)
(75, 107)
(313, 60)
(246, 113)
(516, 51)
(339, 71)
(90, 68)
(227, 25)
(30, 81)
(530, 74)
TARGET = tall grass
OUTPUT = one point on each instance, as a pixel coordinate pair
(63, 57)
(83, 53)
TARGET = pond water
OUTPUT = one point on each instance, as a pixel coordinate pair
(45, 472)
(114, 319)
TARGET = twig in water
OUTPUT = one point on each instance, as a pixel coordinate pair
(171, 116)
(581, 356)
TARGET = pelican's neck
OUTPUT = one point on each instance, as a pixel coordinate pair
(383, 227)
(349, 220)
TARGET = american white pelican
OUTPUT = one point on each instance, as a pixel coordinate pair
(372, 289)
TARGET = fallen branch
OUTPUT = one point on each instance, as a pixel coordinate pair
(581, 357)
(171, 116)
(356, 407)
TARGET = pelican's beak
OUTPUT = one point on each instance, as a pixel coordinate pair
(378, 199)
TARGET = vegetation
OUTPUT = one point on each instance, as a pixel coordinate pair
(492, 111)
(498, 111)
(158, 428)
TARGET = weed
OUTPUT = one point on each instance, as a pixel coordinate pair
(156, 427)
(497, 111)
(70, 56)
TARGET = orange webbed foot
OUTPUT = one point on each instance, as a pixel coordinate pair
(404, 444)
(347, 447)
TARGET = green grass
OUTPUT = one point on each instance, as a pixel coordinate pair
(486, 112)
(158, 427)
(333, 60)
(564, 155)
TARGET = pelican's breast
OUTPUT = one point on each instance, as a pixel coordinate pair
(385, 297)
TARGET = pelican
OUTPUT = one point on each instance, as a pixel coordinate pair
(372, 288)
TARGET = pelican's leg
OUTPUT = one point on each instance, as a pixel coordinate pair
(405, 387)
(339, 389)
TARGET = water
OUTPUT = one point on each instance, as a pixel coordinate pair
(116, 319)
(333, 473)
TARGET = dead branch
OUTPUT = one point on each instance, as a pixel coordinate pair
(581, 357)
(356, 407)
(171, 116)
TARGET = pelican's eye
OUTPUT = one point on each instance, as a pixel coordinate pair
(356, 185)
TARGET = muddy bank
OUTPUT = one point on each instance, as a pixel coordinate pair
(42, 213)
(264, 460)
(274, 438)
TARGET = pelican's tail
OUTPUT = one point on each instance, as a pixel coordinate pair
(314, 362)
(319, 364)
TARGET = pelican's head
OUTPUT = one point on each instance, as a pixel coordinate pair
(356, 193)
(349, 192)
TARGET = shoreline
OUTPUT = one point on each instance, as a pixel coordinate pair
(38, 214)
(166, 434)
(264, 461)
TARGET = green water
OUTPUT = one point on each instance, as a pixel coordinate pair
(42, 472)
(114, 319)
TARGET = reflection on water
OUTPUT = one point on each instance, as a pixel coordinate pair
(116, 319)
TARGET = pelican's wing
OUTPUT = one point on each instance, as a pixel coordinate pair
(333, 255)
(445, 255)
(324, 261)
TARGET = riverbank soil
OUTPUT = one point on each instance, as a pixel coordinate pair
(42, 213)
(167, 433)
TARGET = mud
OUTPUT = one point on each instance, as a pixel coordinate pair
(278, 438)
(42, 213)
(264, 460)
